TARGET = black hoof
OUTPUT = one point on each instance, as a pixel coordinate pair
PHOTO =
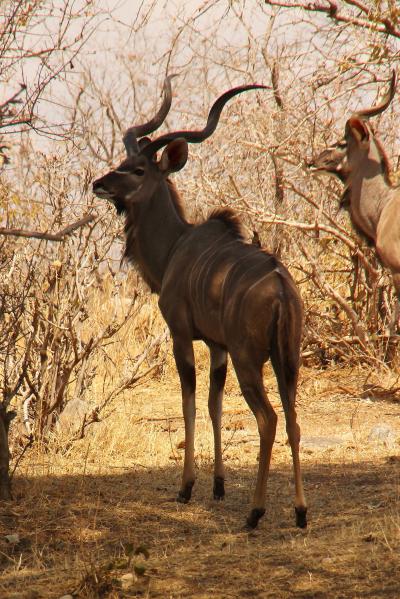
(253, 518)
(185, 494)
(219, 488)
(301, 517)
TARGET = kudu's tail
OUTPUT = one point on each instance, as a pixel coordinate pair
(285, 356)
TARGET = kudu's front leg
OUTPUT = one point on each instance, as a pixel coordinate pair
(184, 358)
(218, 366)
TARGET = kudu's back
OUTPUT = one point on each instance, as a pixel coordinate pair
(233, 293)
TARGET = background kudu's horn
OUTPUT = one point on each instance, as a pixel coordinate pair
(133, 133)
(374, 110)
(212, 122)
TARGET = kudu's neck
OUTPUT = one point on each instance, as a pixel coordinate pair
(152, 230)
(369, 189)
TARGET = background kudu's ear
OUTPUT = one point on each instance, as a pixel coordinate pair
(358, 129)
(174, 156)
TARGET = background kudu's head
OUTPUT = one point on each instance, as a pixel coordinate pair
(140, 175)
(332, 161)
(348, 153)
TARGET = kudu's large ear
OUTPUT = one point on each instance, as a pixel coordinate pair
(174, 156)
(358, 129)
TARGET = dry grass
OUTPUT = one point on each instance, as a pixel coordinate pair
(80, 516)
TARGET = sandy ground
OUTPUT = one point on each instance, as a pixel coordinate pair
(100, 520)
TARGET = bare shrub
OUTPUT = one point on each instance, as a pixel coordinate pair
(50, 338)
(63, 310)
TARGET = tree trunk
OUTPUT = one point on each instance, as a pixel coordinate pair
(5, 483)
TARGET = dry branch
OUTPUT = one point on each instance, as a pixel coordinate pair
(272, 219)
(359, 329)
(137, 375)
(370, 20)
(60, 236)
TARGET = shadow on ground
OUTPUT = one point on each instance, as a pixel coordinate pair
(74, 532)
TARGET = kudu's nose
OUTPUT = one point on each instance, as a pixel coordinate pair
(96, 185)
(101, 190)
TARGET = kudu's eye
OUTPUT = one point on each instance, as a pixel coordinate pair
(139, 171)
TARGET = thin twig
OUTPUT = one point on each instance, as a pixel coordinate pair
(18, 460)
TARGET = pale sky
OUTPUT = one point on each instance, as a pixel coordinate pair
(211, 44)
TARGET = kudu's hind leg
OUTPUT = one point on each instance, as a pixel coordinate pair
(287, 383)
(184, 358)
(252, 387)
(218, 365)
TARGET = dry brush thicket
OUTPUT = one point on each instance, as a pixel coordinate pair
(58, 318)
(61, 314)
(63, 305)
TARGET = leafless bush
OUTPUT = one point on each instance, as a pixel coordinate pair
(59, 315)
(256, 160)
(256, 163)
(53, 253)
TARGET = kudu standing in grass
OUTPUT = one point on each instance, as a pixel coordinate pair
(360, 162)
(212, 286)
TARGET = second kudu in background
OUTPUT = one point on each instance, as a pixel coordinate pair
(360, 162)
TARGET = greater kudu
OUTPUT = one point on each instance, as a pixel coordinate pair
(360, 162)
(215, 287)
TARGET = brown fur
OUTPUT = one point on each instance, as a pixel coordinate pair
(176, 198)
(370, 196)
